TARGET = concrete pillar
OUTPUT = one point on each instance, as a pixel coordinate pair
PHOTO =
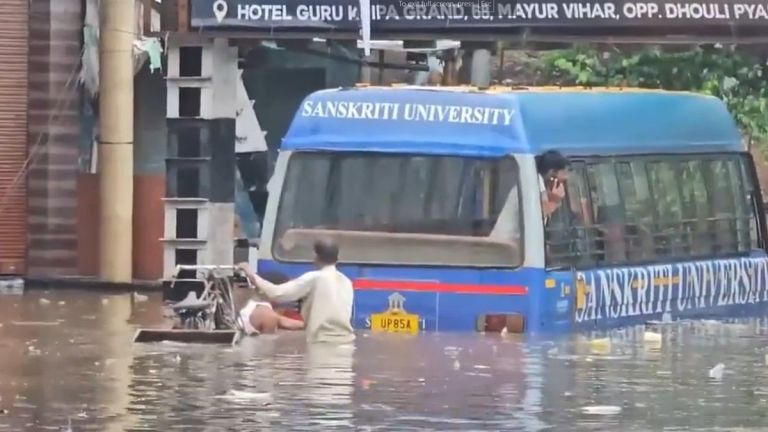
(480, 72)
(116, 140)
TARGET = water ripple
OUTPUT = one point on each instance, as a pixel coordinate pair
(70, 357)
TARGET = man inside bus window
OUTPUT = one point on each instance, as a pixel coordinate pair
(553, 173)
(565, 223)
(326, 296)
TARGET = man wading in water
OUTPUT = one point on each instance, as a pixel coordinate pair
(326, 295)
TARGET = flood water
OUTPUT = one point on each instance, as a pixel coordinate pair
(67, 357)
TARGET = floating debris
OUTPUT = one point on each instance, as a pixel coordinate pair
(44, 301)
(138, 298)
(456, 365)
(600, 346)
(652, 340)
(716, 373)
(244, 395)
(62, 303)
(601, 410)
(34, 323)
(653, 337)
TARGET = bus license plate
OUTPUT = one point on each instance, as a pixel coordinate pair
(395, 323)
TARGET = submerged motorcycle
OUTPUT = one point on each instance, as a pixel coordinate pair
(215, 308)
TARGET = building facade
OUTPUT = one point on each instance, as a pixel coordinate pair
(48, 125)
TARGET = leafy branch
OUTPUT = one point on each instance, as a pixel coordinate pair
(737, 78)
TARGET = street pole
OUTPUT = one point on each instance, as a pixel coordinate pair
(115, 156)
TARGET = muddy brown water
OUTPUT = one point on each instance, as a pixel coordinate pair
(66, 357)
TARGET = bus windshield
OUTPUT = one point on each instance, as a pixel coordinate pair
(402, 209)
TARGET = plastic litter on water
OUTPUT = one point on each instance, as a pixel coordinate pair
(716, 372)
(651, 337)
(601, 410)
(237, 394)
(600, 346)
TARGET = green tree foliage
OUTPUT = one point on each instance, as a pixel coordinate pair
(741, 80)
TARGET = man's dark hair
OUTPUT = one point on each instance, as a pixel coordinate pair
(326, 251)
(551, 160)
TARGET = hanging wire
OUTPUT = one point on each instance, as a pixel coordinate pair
(34, 152)
(59, 105)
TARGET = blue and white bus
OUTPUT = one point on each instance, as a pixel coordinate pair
(433, 196)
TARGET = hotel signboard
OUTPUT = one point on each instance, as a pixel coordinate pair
(397, 16)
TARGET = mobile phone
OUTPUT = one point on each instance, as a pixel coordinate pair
(553, 182)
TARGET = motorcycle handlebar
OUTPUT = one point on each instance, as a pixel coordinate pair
(205, 267)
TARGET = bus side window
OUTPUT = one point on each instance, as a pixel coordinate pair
(638, 209)
(608, 211)
(582, 222)
(723, 220)
(741, 193)
(751, 194)
(654, 209)
(696, 208)
(669, 217)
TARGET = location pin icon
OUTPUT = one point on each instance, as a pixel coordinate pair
(220, 10)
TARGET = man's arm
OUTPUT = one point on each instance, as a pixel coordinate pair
(548, 207)
(292, 290)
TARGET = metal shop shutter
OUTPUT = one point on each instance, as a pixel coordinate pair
(14, 30)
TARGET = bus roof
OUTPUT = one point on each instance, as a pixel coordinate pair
(494, 122)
